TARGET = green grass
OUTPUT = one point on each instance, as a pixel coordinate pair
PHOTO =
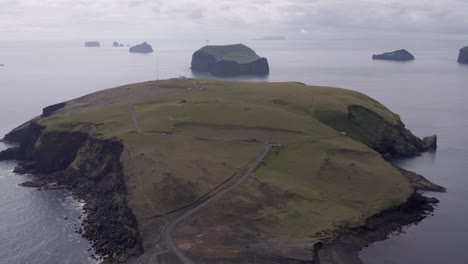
(238, 53)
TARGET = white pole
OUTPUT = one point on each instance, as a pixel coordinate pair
(157, 68)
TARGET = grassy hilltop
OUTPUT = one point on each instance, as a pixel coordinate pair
(326, 175)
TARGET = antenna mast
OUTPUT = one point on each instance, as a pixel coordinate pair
(157, 68)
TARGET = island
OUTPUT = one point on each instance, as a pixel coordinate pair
(92, 44)
(2, 65)
(142, 48)
(229, 60)
(463, 56)
(271, 38)
(203, 171)
(398, 55)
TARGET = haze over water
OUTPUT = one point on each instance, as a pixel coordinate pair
(429, 93)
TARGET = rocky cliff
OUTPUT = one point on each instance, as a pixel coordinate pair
(229, 60)
(398, 55)
(91, 169)
(463, 56)
(390, 140)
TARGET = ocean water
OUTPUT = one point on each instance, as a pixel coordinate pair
(429, 93)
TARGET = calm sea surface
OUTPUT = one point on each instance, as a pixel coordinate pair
(430, 94)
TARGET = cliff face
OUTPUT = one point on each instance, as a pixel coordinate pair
(225, 63)
(463, 56)
(91, 169)
(390, 140)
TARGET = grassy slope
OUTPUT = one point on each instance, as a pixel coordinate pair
(320, 181)
(238, 53)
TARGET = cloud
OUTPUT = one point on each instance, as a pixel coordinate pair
(217, 16)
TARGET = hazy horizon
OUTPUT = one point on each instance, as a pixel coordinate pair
(179, 19)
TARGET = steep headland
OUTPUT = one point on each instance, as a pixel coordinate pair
(232, 172)
(142, 48)
(229, 60)
(398, 55)
(92, 44)
(463, 56)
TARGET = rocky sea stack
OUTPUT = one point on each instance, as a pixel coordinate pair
(398, 55)
(463, 56)
(92, 44)
(229, 60)
(142, 48)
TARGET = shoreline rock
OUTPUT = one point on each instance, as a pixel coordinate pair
(90, 168)
(398, 55)
(346, 246)
(430, 142)
(420, 183)
(463, 56)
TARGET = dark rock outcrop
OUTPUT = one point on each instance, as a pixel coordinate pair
(398, 55)
(11, 154)
(230, 60)
(346, 246)
(92, 44)
(419, 183)
(91, 169)
(463, 56)
(142, 48)
(115, 44)
(49, 110)
(430, 142)
(365, 126)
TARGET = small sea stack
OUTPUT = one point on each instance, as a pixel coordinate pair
(398, 55)
(91, 44)
(463, 56)
(142, 48)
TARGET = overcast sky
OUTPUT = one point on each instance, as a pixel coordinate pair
(137, 18)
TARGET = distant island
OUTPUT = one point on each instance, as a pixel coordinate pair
(117, 44)
(398, 55)
(229, 60)
(294, 167)
(92, 44)
(463, 56)
(2, 65)
(271, 38)
(142, 48)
